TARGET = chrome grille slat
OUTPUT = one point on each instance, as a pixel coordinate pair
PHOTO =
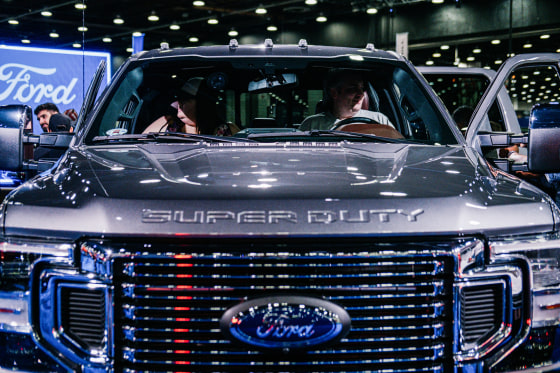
(399, 300)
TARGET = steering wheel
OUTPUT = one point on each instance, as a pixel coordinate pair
(367, 126)
(352, 120)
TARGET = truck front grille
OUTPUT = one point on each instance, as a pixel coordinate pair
(168, 306)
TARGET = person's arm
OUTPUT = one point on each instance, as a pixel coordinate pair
(159, 125)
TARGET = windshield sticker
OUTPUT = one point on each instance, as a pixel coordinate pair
(116, 131)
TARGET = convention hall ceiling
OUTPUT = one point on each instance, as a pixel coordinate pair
(95, 25)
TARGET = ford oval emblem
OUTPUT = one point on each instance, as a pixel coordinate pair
(286, 322)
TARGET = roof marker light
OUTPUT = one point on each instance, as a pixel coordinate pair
(233, 44)
(370, 47)
(302, 43)
(268, 43)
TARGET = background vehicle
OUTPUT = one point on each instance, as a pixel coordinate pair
(279, 249)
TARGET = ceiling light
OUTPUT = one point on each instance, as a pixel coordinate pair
(80, 6)
(470, 58)
(272, 28)
(497, 62)
(54, 34)
(129, 50)
(495, 42)
(198, 3)
(107, 39)
(321, 18)
(527, 45)
(444, 47)
(477, 50)
(13, 22)
(153, 17)
(174, 26)
(545, 36)
(233, 33)
(436, 55)
(193, 39)
(429, 62)
(437, 1)
(118, 20)
(82, 28)
(136, 33)
(310, 2)
(371, 10)
(77, 45)
(25, 41)
(260, 10)
(46, 13)
(213, 21)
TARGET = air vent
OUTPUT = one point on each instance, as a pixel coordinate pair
(83, 315)
(481, 312)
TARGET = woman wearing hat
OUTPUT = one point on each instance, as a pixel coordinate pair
(197, 113)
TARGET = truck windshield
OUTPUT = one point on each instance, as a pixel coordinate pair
(241, 98)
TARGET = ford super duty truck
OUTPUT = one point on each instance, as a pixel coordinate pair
(360, 247)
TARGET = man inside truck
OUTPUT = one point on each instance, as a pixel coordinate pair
(345, 95)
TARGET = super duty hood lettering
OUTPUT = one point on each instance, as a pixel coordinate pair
(277, 216)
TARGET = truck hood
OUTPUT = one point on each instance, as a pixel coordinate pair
(255, 189)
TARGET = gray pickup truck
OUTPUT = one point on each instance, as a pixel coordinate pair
(360, 247)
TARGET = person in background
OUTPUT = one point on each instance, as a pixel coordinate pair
(57, 123)
(73, 115)
(45, 111)
(197, 112)
(345, 94)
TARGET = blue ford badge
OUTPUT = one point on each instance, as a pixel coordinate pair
(286, 322)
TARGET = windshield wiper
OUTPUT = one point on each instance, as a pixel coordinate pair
(326, 134)
(353, 135)
(167, 137)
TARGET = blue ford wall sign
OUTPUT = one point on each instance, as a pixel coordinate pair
(32, 76)
(286, 322)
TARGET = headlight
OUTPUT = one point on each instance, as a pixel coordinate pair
(543, 254)
(17, 348)
(17, 258)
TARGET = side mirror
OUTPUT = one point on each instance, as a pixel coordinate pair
(15, 140)
(544, 138)
(13, 121)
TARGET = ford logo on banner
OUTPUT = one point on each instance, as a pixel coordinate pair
(33, 76)
(286, 322)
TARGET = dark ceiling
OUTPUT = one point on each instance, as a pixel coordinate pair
(192, 20)
(470, 39)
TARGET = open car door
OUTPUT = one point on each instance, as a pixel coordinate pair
(505, 71)
(543, 137)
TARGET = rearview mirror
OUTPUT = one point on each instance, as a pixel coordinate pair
(544, 138)
(273, 80)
